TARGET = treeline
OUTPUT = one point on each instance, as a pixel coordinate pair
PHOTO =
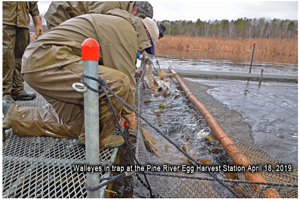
(243, 27)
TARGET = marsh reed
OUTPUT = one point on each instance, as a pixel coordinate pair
(263, 45)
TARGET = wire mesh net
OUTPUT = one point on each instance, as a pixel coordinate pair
(153, 149)
(41, 167)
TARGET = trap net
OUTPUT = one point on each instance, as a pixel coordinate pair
(42, 167)
(161, 101)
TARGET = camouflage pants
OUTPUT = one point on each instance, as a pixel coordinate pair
(15, 41)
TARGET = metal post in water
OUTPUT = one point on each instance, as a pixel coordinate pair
(90, 57)
(261, 75)
(252, 57)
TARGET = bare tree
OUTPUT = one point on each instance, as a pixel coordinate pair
(231, 29)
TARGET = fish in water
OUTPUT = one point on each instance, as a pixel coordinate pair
(202, 133)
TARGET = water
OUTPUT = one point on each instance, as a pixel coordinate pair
(270, 109)
(182, 123)
(229, 66)
(274, 129)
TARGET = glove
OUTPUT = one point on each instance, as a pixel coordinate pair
(131, 120)
(140, 55)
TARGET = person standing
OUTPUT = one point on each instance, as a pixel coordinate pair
(162, 30)
(16, 38)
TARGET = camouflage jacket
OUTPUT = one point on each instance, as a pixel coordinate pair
(60, 11)
(16, 13)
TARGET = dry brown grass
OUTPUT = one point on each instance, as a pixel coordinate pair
(263, 45)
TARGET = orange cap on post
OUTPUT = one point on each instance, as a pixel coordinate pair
(90, 50)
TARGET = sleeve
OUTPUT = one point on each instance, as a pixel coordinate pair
(127, 5)
(33, 9)
(122, 57)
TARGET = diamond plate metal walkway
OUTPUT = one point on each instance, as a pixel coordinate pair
(41, 167)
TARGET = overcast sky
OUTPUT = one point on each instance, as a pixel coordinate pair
(216, 10)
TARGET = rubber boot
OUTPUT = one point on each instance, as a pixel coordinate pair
(23, 95)
(8, 99)
(113, 141)
(7, 109)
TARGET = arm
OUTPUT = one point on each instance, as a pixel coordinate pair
(37, 20)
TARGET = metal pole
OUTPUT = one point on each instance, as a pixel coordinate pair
(126, 132)
(90, 57)
(252, 57)
(261, 75)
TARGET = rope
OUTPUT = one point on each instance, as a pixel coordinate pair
(104, 85)
(183, 98)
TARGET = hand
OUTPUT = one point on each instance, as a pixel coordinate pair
(131, 120)
(37, 20)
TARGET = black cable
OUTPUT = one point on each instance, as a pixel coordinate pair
(104, 85)
(112, 179)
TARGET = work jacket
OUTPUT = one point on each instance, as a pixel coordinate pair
(16, 13)
(119, 33)
(60, 11)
